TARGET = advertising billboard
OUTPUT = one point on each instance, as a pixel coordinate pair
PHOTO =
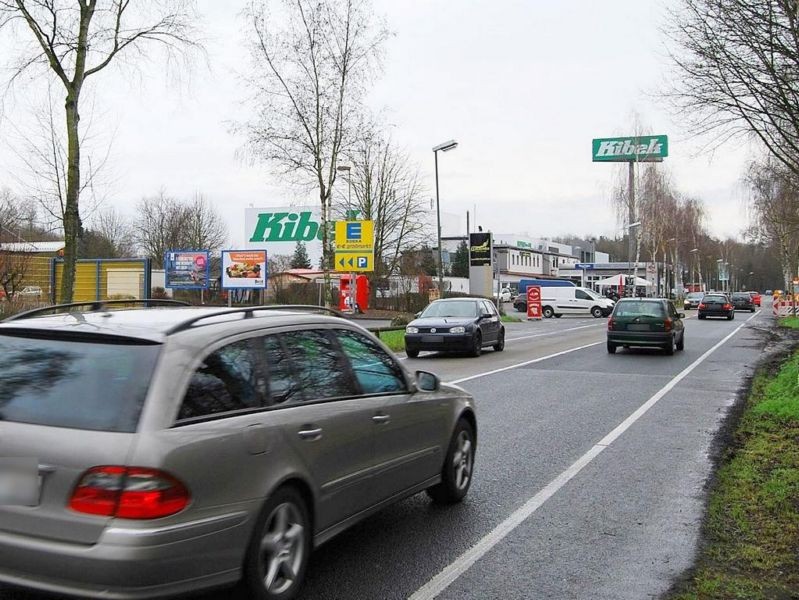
(187, 269)
(244, 269)
(480, 249)
(278, 230)
(642, 148)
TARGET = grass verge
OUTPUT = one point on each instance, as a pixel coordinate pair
(790, 322)
(751, 530)
(510, 319)
(393, 339)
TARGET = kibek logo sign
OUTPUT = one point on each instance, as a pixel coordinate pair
(283, 225)
(644, 148)
(279, 229)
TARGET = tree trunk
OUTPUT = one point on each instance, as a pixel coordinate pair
(326, 259)
(71, 210)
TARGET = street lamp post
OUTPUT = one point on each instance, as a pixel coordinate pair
(719, 262)
(351, 291)
(630, 228)
(445, 147)
(695, 252)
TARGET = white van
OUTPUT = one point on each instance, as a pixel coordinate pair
(559, 301)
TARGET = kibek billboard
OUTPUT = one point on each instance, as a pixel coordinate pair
(279, 229)
(643, 148)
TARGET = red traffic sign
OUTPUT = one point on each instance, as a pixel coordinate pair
(534, 302)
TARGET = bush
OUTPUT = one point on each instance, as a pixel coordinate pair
(159, 293)
(401, 320)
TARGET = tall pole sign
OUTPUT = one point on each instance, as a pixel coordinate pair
(634, 149)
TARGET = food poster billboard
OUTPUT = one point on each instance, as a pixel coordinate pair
(187, 269)
(244, 269)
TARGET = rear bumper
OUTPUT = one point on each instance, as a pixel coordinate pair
(451, 342)
(131, 563)
(639, 338)
(715, 313)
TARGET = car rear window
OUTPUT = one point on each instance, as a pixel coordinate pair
(715, 299)
(86, 383)
(634, 309)
(745, 296)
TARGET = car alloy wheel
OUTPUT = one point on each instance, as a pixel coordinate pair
(456, 476)
(477, 344)
(500, 345)
(278, 555)
(548, 312)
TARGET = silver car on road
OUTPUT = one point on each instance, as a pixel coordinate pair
(168, 450)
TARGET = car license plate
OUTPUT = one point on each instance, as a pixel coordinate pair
(637, 327)
(431, 339)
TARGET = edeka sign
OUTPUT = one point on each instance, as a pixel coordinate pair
(279, 229)
(644, 148)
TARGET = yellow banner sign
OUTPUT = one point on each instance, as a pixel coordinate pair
(355, 236)
(355, 261)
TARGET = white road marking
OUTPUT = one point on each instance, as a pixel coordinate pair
(460, 565)
(535, 335)
(524, 364)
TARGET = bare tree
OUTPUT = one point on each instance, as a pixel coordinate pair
(115, 228)
(309, 78)
(13, 268)
(774, 210)
(165, 223)
(10, 215)
(75, 40)
(737, 64)
(387, 190)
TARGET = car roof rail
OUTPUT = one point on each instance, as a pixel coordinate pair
(95, 306)
(247, 312)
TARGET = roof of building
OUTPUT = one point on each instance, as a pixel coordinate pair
(32, 247)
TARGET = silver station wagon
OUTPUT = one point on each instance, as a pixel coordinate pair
(153, 451)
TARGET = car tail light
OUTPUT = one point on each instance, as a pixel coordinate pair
(611, 324)
(667, 324)
(129, 493)
(702, 305)
(727, 306)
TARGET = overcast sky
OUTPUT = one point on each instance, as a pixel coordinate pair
(522, 85)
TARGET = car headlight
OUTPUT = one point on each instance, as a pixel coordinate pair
(458, 330)
(411, 330)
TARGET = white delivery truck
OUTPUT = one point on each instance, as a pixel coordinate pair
(559, 301)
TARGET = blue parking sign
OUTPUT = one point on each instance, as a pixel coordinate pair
(363, 262)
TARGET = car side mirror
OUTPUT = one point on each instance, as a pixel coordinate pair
(681, 315)
(485, 315)
(427, 382)
(419, 314)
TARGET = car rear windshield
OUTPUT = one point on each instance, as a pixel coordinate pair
(639, 309)
(715, 299)
(742, 296)
(695, 296)
(89, 383)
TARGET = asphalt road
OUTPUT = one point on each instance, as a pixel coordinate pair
(590, 472)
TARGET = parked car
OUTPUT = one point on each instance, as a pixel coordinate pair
(505, 295)
(520, 303)
(692, 300)
(646, 322)
(456, 325)
(768, 292)
(756, 298)
(716, 305)
(743, 301)
(187, 448)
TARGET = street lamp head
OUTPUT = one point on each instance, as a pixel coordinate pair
(446, 146)
(694, 250)
(344, 168)
(631, 225)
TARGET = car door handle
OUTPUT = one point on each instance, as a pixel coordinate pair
(381, 418)
(310, 434)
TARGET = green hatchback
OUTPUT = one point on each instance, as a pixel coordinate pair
(647, 322)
